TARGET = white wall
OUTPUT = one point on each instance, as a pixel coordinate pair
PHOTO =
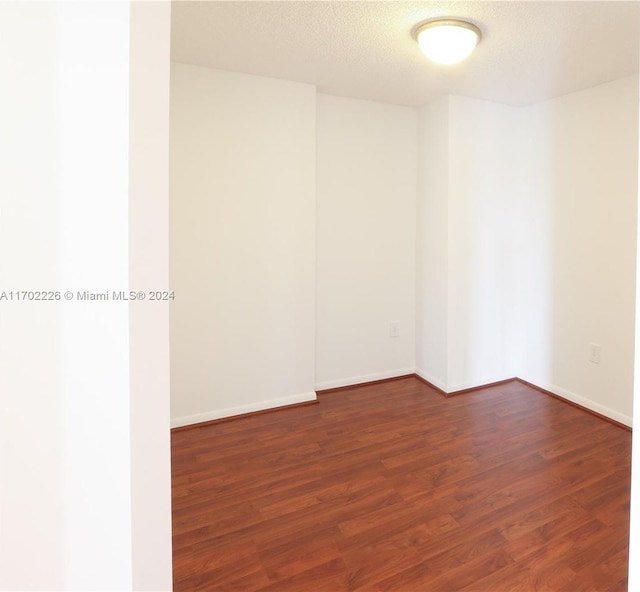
(509, 247)
(432, 230)
(483, 164)
(466, 200)
(149, 270)
(32, 457)
(634, 526)
(577, 280)
(242, 243)
(75, 471)
(532, 225)
(366, 191)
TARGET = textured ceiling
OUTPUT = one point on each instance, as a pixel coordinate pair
(530, 51)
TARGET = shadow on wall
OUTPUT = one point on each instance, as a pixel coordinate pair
(541, 244)
(577, 281)
(485, 201)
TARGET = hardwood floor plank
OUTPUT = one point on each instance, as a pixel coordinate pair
(457, 578)
(327, 576)
(392, 487)
(288, 559)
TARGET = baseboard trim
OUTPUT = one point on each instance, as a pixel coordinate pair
(463, 391)
(566, 397)
(573, 403)
(471, 389)
(200, 419)
(204, 419)
(430, 381)
(359, 384)
(364, 379)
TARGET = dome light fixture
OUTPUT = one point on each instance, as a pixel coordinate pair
(447, 41)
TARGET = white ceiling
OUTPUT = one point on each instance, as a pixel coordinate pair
(530, 51)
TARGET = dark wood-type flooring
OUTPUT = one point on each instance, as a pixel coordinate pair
(392, 487)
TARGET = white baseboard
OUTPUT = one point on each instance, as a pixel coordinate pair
(311, 396)
(353, 380)
(582, 401)
(431, 379)
(461, 386)
(177, 422)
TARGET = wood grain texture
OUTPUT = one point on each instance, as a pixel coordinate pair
(391, 487)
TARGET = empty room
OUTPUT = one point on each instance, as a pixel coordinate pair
(359, 233)
(295, 298)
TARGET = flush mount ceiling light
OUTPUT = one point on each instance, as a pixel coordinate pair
(447, 41)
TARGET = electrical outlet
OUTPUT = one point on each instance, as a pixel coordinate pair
(594, 353)
(394, 330)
